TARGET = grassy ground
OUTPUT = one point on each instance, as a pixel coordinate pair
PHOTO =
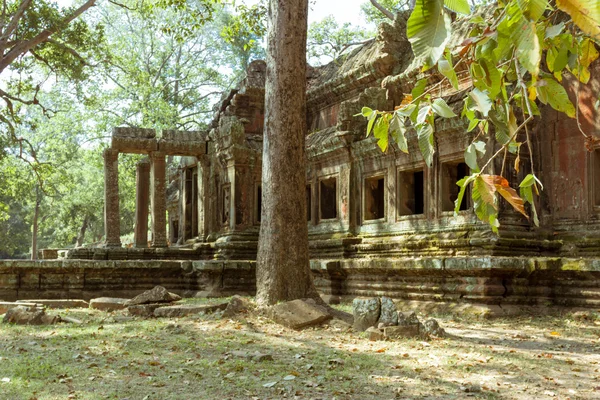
(109, 357)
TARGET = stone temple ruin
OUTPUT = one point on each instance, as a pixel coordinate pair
(379, 223)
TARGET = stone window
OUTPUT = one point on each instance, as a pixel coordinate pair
(191, 203)
(328, 198)
(374, 198)
(596, 177)
(225, 204)
(308, 202)
(258, 203)
(411, 195)
(452, 172)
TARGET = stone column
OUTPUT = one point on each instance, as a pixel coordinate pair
(112, 220)
(158, 198)
(142, 185)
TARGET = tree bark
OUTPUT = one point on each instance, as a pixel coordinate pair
(81, 234)
(34, 230)
(283, 271)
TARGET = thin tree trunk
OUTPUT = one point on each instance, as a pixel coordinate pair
(34, 233)
(283, 271)
(81, 234)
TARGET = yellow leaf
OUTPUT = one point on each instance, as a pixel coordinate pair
(554, 333)
(532, 93)
(585, 13)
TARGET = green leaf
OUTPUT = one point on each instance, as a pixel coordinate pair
(463, 183)
(529, 51)
(419, 88)
(447, 69)
(428, 30)
(553, 93)
(423, 114)
(533, 9)
(407, 110)
(481, 100)
(585, 13)
(471, 158)
(381, 132)
(372, 119)
(425, 139)
(459, 6)
(398, 131)
(441, 108)
(366, 112)
(554, 30)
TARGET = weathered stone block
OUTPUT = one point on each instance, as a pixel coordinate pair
(144, 310)
(405, 331)
(374, 334)
(183, 310)
(76, 303)
(366, 312)
(108, 303)
(298, 314)
(158, 294)
(389, 314)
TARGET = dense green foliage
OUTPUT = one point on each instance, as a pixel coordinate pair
(515, 53)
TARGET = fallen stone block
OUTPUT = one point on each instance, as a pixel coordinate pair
(366, 312)
(23, 316)
(374, 334)
(183, 310)
(331, 298)
(432, 327)
(6, 305)
(58, 303)
(237, 305)
(144, 310)
(298, 314)
(158, 294)
(399, 332)
(108, 303)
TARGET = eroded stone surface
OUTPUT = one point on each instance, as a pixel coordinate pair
(404, 331)
(237, 305)
(5, 306)
(158, 294)
(108, 303)
(58, 303)
(144, 310)
(366, 312)
(374, 334)
(388, 315)
(433, 328)
(183, 310)
(23, 316)
(298, 314)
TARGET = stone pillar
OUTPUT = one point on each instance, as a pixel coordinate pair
(112, 220)
(142, 185)
(158, 198)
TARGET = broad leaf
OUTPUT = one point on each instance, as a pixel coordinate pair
(428, 30)
(553, 93)
(419, 88)
(371, 122)
(398, 131)
(528, 47)
(463, 183)
(509, 194)
(425, 138)
(482, 102)
(381, 132)
(447, 69)
(459, 6)
(533, 9)
(441, 108)
(585, 13)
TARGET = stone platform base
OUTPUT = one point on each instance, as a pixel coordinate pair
(494, 283)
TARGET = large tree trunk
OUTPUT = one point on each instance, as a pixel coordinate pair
(283, 271)
(34, 230)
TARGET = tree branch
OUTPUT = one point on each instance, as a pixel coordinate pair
(383, 10)
(24, 46)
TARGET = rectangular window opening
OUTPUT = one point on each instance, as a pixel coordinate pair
(411, 196)
(452, 173)
(328, 198)
(374, 198)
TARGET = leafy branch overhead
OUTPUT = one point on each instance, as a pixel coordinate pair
(513, 58)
